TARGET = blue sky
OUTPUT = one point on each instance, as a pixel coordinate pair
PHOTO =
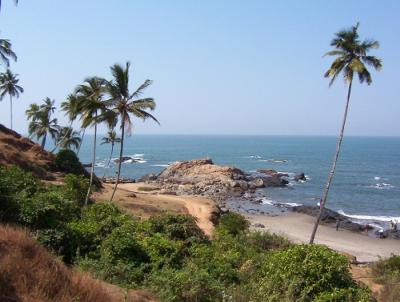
(219, 67)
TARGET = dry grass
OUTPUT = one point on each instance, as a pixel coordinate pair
(28, 272)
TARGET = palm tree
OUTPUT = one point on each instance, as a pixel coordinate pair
(125, 104)
(351, 57)
(112, 139)
(15, 1)
(9, 85)
(41, 123)
(91, 108)
(6, 52)
(68, 138)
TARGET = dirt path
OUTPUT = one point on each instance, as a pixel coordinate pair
(144, 200)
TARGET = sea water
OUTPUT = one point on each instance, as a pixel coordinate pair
(366, 182)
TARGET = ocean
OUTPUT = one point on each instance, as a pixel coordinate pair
(366, 183)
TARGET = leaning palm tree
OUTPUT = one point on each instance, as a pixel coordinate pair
(68, 138)
(6, 52)
(41, 124)
(112, 139)
(91, 108)
(351, 57)
(9, 86)
(125, 104)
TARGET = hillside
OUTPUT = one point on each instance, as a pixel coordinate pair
(28, 272)
(23, 152)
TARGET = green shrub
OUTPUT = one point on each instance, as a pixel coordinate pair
(47, 210)
(308, 273)
(265, 241)
(76, 187)
(15, 184)
(233, 224)
(122, 245)
(96, 223)
(186, 285)
(67, 161)
(177, 227)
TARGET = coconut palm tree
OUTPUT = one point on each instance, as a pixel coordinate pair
(6, 52)
(41, 123)
(351, 59)
(68, 138)
(91, 109)
(9, 86)
(112, 139)
(15, 1)
(125, 104)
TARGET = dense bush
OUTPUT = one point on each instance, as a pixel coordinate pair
(76, 187)
(233, 223)
(177, 227)
(67, 161)
(15, 184)
(308, 273)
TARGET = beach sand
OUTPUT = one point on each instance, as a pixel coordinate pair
(297, 227)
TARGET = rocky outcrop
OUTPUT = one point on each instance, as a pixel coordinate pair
(272, 178)
(203, 177)
(300, 177)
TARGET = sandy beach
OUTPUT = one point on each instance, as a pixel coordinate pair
(297, 227)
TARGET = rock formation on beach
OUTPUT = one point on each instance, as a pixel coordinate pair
(203, 177)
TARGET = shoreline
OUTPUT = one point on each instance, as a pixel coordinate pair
(297, 228)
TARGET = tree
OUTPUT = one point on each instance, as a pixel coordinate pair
(112, 139)
(9, 86)
(6, 52)
(351, 56)
(125, 104)
(91, 109)
(68, 138)
(41, 123)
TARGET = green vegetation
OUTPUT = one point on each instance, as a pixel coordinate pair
(67, 161)
(387, 273)
(351, 59)
(169, 254)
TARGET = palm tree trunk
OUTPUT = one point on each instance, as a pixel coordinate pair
(44, 140)
(11, 115)
(109, 160)
(80, 145)
(93, 162)
(121, 152)
(332, 172)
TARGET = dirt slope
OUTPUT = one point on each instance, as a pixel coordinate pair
(21, 151)
(29, 273)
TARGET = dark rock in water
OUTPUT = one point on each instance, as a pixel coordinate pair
(272, 178)
(259, 225)
(148, 177)
(299, 177)
(125, 159)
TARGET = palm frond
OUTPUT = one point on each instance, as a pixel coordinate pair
(141, 89)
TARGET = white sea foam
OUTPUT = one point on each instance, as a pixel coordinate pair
(160, 166)
(272, 160)
(281, 204)
(382, 186)
(370, 217)
(377, 178)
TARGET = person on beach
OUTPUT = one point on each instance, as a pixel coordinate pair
(337, 224)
